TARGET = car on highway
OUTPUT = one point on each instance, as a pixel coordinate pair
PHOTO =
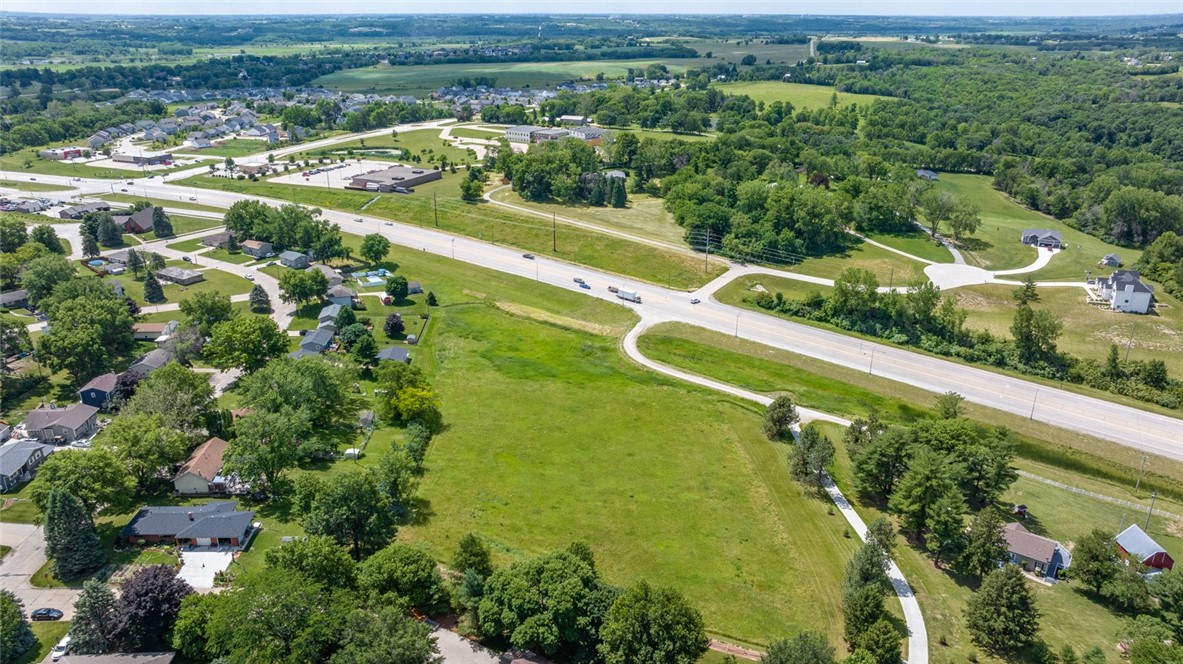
(130, 182)
(584, 284)
(46, 614)
(613, 289)
(192, 198)
(528, 256)
(388, 223)
(695, 300)
(122, 190)
(579, 280)
(359, 220)
(32, 179)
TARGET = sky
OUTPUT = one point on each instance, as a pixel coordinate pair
(830, 7)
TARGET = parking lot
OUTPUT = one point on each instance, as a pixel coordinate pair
(332, 176)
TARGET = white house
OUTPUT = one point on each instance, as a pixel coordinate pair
(1125, 292)
(202, 471)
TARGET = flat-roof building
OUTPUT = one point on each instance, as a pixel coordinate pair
(394, 178)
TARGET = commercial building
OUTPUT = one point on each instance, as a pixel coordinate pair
(144, 160)
(394, 178)
(58, 154)
(520, 133)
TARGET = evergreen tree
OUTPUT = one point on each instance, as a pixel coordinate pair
(232, 244)
(597, 195)
(157, 261)
(135, 262)
(365, 350)
(90, 245)
(945, 526)
(161, 225)
(431, 301)
(882, 640)
(472, 556)
(258, 299)
(394, 325)
(779, 418)
(985, 548)
(1027, 293)
(929, 478)
(861, 610)
(810, 455)
(94, 618)
(866, 569)
(1001, 616)
(619, 197)
(345, 318)
(16, 637)
(153, 292)
(70, 538)
(108, 233)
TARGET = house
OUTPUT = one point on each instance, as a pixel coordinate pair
(520, 133)
(121, 256)
(1125, 292)
(366, 421)
(329, 313)
(150, 362)
(257, 249)
(294, 259)
(317, 341)
(97, 392)
(300, 353)
(575, 120)
(62, 425)
(214, 524)
(97, 141)
(136, 222)
(592, 135)
(78, 211)
(330, 325)
(1110, 260)
(1135, 543)
(1041, 556)
(925, 174)
(156, 135)
(217, 240)
(121, 658)
(414, 288)
(332, 275)
(18, 460)
(197, 143)
(341, 295)
(157, 332)
(201, 474)
(179, 275)
(1042, 237)
(15, 299)
(394, 354)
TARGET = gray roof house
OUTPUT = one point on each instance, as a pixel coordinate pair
(1110, 260)
(294, 259)
(15, 299)
(18, 460)
(62, 425)
(300, 352)
(341, 295)
(150, 362)
(213, 524)
(1042, 237)
(98, 391)
(332, 275)
(179, 275)
(1036, 554)
(394, 354)
(317, 341)
(329, 312)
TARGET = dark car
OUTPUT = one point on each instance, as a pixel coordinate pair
(46, 614)
(528, 256)
(578, 280)
(583, 284)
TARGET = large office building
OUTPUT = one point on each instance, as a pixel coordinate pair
(394, 178)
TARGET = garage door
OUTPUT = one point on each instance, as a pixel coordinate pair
(205, 541)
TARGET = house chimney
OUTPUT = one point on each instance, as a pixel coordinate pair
(190, 516)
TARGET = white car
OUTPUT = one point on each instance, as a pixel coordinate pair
(59, 651)
(250, 277)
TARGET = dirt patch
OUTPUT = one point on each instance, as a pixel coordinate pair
(555, 319)
(1175, 528)
(472, 293)
(973, 301)
(759, 288)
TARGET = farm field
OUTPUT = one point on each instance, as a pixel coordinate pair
(728, 51)
(1088, 330)
(800, 95)
(424, 79)
(996, 245)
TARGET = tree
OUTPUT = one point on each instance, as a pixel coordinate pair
(205, 310)
(431, 301)
(937, 205)
(300, 286)
(353, 511)
(867, 568)
(148, 605)
(1035, 333)
(44, 235)
(985, 548)
(95, 477)
(153, 293)
(803, 648)
(320, 559)
(882, 641)
(1127, 590)
(320, 389)
(264, 447)
(879, 465)
(41, 276)
(144, 445)
(70, 538)
(948, 406)
(928, 479)
(862, 609)
(810, 455)
(108, 233)
(1168, 588)
(182, 397)
(419, 404)
(471, 190)
(94, 619)
(405, 570)
(14, 339)
(161, 226)
(88, 333)
(965, 219)
(351, 333)
(13, 234)
(135, 262)
(394, 325)
(396, 287)
(16, 636)
(90, 245)
(1094, 560)
(945, 526)
(881, 533)
(374, 248)
(246, 342)
(1027, 293)
(388, 636)
(259, 301)
(779, 418)
(396, 479)
(648, 625)
(365, 351)
(156, 261)
(1001, 616)
(345, 318)
(472, 556)
(189, 630)
(553, 604)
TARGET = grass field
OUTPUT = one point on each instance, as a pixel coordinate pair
(918, 244)
(996, 244)
(48, 634)
(192, 244)
(237, 258)
(729, 51)
(468, 132)
(161, 202)
(233, 148)
(423, 142)
(888, 267)
(183, 224)
(215, 280)
(1088, 330)
(645, 215)
(800, 95)
(424, 79)
(496, 225)
(33, 186)
(15, 161)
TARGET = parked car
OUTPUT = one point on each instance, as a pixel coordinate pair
(46, 614)
(59, 651)
(186, 259)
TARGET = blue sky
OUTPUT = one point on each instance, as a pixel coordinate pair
(831, 7)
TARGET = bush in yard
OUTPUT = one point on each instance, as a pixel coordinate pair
(394, 325)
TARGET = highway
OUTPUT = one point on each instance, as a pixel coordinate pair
(1132, 427)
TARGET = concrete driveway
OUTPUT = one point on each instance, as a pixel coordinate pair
(199, 567)
(17, 569)
(456, 649)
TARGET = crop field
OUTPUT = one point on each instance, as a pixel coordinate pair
(800, 95)
(423, 79)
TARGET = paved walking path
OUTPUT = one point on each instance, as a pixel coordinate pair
(917, 632)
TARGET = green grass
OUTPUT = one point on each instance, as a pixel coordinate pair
(192, 244)
(919, 244)
(799, 95)
(729, 51)
(495, 225)
(238, 258)
(48, 634)
(20, 511)
(4, 550)
(645, 215)
(183, 224)
(33, 186)
(161, 202)
(888, 267)
(215, 280)
(1088, 330)
(465, 132)
(15, 161)
(232, 147)
(422, 142)
(662, 135)
(996, 245)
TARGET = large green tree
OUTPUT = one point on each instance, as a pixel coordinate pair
(246, 342)
(94, 619)
(648, 625)
(87, 335)
(385, 636)
(863, 608)
(264, 447)
(41, 275)
(71, 542)
(929, 478)
(985, 548)
(207, 309)
(779, 418)
(1094, 559)
(803, 648)
(879, 465)
(1001, 616)
(354, 512)
(810, 455)
(319, 558)
(97, 478)
(405, 570)
(153, 291)
(259, 300)
(323, 389)
(374, 248)
(181, 397)
(16, 636)
(144, 445)
(472, 556)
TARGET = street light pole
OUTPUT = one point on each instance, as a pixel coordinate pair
(453, 248)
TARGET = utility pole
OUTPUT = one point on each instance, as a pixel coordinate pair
(737, 326)
(1140, 470)
(1130, 342)
(1033, 400)
(554, 232)
(1153, 497)
(871, 368)
(435, 209)
(706, 261)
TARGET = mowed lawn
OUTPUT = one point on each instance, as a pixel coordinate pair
(800, 95)
(996, 245)
(1088, 330)
(645, 216)
(598, 450)
(418, 141)
(887, 266)
(919, 244)
(33, 186)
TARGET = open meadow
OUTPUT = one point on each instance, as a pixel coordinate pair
(799, 95)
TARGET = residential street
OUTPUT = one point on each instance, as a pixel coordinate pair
(17, 568)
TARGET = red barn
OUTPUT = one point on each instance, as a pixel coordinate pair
(1135, 543)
